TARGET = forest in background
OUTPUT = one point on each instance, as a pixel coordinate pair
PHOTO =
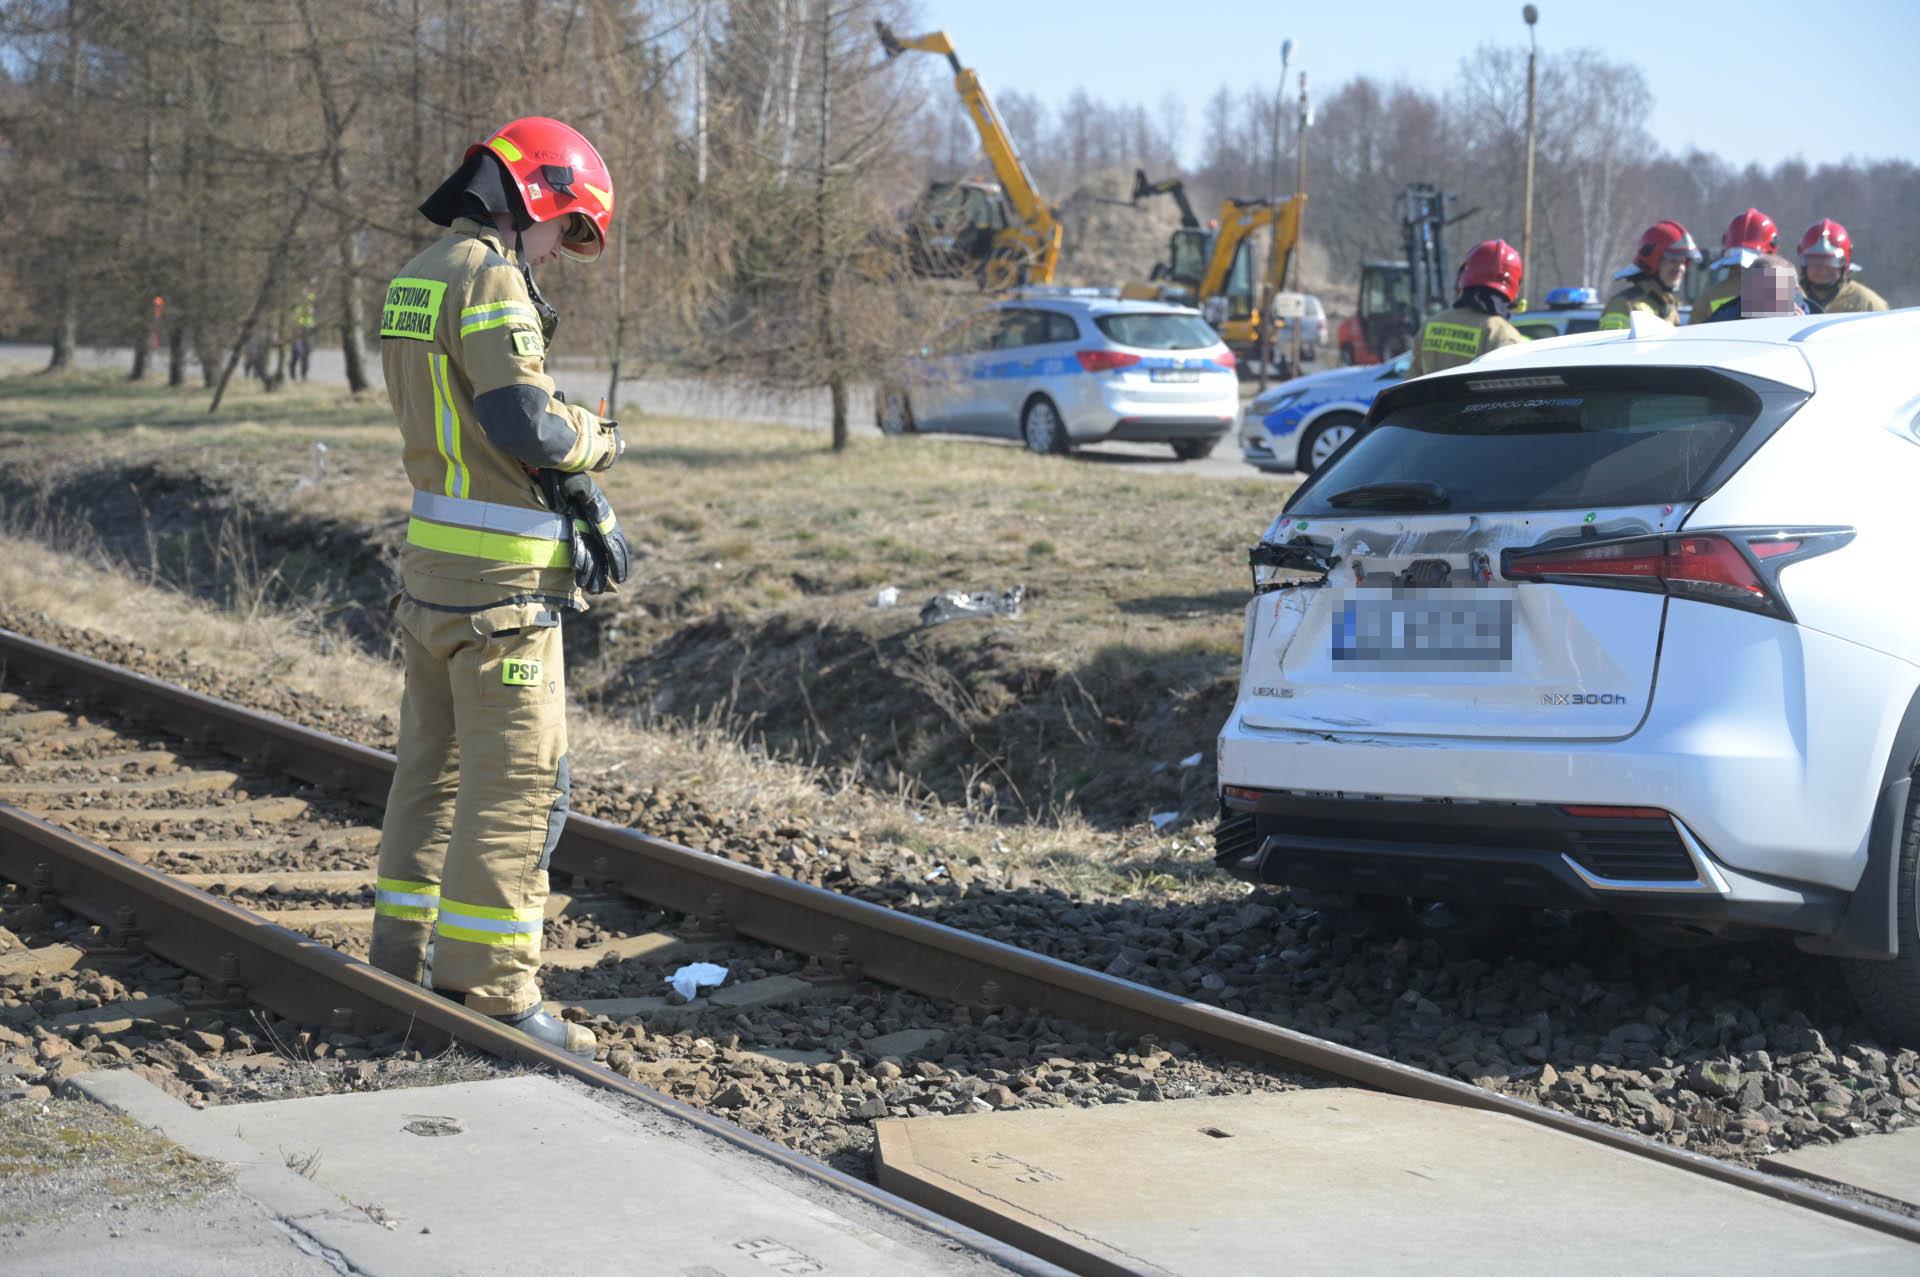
(237, 158)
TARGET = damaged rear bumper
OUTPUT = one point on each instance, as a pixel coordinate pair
(1643, 867)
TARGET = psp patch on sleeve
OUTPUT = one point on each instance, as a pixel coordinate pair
(526, 342)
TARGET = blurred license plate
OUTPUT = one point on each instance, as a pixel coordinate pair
(1425, 630)
(1175, 374)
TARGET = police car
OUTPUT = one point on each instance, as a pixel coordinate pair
(1060, 369)
(1301, 423)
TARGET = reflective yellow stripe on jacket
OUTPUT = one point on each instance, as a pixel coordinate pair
(489, 530)
(447, 436)
(476, 319)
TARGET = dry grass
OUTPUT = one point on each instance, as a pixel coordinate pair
(1121, 568)
(755, 517)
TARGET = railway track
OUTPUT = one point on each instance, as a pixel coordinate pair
(266, 900)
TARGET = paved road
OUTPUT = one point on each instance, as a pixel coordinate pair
(584, 382)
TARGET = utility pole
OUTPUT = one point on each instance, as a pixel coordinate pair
(1532, 15)
(1302, 122)
(1264, 335)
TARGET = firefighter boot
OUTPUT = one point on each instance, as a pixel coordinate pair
(555, 1032)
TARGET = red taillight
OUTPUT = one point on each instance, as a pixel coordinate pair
(1240, 793)
(1621, 559)
(1615, 813)
(1774, 547)
(1708, 568)
(1227, 359)
(1105, 360)
(1711, 564)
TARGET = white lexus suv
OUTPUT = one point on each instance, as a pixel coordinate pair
(1620, 621)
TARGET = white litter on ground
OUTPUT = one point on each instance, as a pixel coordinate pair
(695, 976)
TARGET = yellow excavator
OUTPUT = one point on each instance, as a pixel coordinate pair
(1003, 233)
(1212, 267)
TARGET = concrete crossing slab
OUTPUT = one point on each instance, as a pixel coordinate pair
(529, 1173)
(1346, 1181)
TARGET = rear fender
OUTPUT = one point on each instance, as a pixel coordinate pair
(1870, 928)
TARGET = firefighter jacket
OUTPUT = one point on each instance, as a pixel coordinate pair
(1458, 335)
(1644, 292)
(465, 359)
(1723, 286)
(1848, 297)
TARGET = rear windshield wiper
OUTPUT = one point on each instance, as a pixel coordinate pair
(1404, 494)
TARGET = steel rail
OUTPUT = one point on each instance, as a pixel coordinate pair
(244, 956)
(896, 948)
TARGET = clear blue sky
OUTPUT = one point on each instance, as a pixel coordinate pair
(1838, 81)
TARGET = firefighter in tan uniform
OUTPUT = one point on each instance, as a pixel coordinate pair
(1653, 285)
(1748, 237)
(1489, 284)
(1826, 259)
(507, 527)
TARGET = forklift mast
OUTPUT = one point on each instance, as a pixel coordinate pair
(1422, 210)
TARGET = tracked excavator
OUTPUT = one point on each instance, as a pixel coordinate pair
(1001, 233)
(1212, 267)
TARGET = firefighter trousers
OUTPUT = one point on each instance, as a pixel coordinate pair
(480, 793)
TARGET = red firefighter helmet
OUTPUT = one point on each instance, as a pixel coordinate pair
(1495, 264)
(1661, 242)
(558, 174)
(1827, 238)
(1751, 230)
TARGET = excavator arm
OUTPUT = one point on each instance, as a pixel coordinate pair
(1239, 219)
(1143, 189)
(1036, 236)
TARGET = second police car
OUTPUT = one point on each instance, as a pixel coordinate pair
(1062, 368)
(1301, 423)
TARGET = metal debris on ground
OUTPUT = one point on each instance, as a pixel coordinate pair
(1191, 760)
(887, 596)
(695, 976)
(1163, 819)
(954, 605)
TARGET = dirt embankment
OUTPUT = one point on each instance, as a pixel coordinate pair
(195, 533)
(962, 712)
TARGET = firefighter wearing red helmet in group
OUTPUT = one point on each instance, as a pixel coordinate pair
(508, 528)
(1749, 237)
(1488, 284)
(1826, 258)
(1659, 268)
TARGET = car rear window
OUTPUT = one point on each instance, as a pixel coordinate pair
(1158, 331)
(1549, 442)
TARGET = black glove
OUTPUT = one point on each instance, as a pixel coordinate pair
(600, 554)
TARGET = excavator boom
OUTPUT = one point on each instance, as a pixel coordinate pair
(1031, 246)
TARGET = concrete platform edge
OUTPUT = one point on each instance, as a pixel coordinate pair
(1003, 1221)
(319, 1222)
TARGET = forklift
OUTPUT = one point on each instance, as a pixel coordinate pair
(1397, 296)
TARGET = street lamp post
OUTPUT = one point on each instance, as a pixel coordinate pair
(1263, 335)
(1304, 119)
(1532, 15)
